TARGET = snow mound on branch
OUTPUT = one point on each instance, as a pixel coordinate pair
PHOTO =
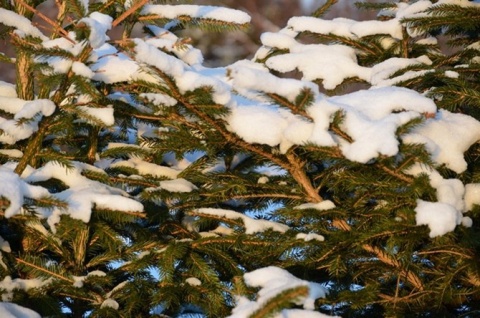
(20, 23)
(7, 89)
(333, 63)
(272, 282)
(83, 194)
(251, 225)
(13, 130)
(11, 310)
(196, 11)
(178, 185)
(8, 285)
(371, 117)
(447, 137)
(472, 195)
(99, 24)
(357, 29)
(14, 189)
(442, 216)
(114, 67)
(147, 168)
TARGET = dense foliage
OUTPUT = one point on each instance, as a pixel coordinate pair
(136, 182)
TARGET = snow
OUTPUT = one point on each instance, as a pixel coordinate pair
(13, 153)
(5, 246)
(472, 195)
(98, 24)
(453, 199)
(441, 218)
(258, 124)
(333, 63)
(366, 28)
(31, 108)
(178, 185)
(381, 72)
(193, 281)
(104, 115)
(251, 225)
(114, 68)
(147, 168)
(263, 180)
(21, 23)
(9, 285)
(78, 280)
(310, 237)
(272, 281)
(247, 76)
(195, 11)
(15, 189)
(149, 54)
(110, 303)
(337, 26)
(10, 310)
(7, 89)
(321, 206)
(371, 120)
(83, 194)
(81, 69)
(168, 41)
(191, 80)
(446, 138)
(372, 116)
(12, 130)
(159, 99)
(84, 4)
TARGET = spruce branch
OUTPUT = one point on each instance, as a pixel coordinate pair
(293, 165)
(34, 145)
(23, 67)
(133, 9)
(280, 301)
(44, 270)
(386, 259)
(324, 8)
(228, 241)
(56, 26)
(297, 110)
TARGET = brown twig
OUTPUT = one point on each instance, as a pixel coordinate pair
(55, 26)
(129, 12)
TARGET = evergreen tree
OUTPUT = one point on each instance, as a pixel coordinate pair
(336, 173)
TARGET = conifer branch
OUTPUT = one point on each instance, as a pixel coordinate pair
(281, 300)
(258, 196)
(34, 144)
(386, 259)
(293, 165)
(284, 102)
(463, 255)
(56, 27)
(404, 43)
(409, 298)
(229, 241)
(79, 297)
(133, 9)
(296, 169)
(324, 8)
(42, 269)
(396, 174)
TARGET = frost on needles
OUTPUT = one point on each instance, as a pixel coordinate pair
(336, 173)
